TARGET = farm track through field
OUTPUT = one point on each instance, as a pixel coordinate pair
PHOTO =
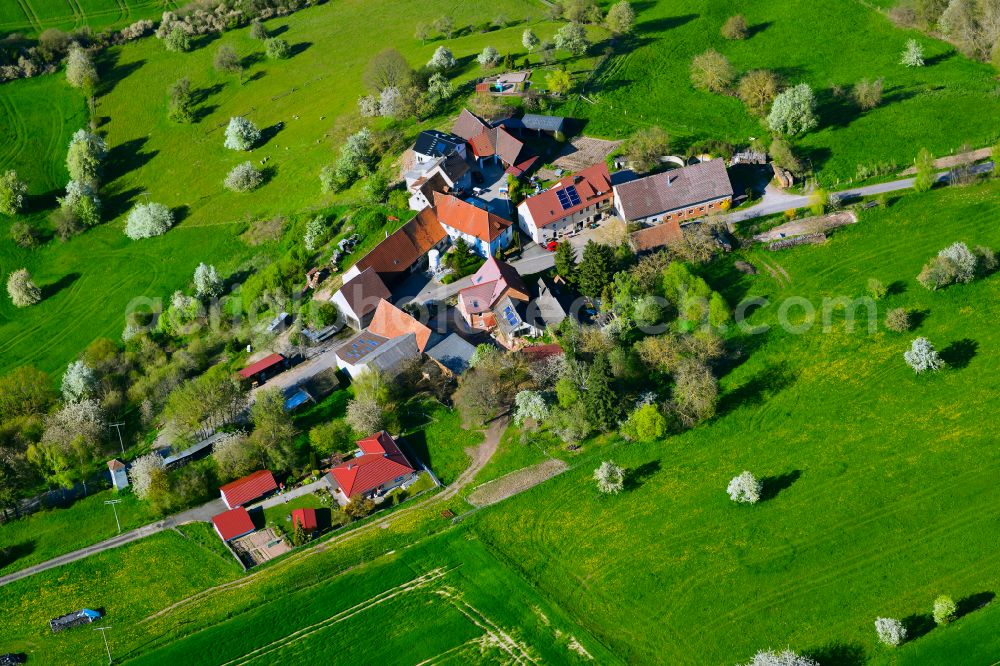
(417, 583)
(30, 14)
(14, 148)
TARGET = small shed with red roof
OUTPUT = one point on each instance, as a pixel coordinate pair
(306, 518)
(264, 369)
(245, 490)
(379, 468)
(233, 524)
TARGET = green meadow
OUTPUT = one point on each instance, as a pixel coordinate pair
(950, 101)
(879, 484)
(35, 16)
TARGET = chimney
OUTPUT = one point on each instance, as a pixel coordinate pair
(670, 180)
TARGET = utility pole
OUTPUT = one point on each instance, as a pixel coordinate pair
(115, 509)
(103, 631)
(118, 427)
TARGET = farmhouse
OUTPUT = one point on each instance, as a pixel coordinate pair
(445, 174)
(485, 232)
(402, 252)
(233, 524)
(359, 296)
(378, 467)
(497, 302)
(492, 142)
(392, 338)
(245, 490)
(567, 207)
(681, 194)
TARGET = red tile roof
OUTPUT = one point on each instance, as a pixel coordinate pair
(115, 465)
(261, 365)
(657, 236)
(593, 184)
(469, 219)
(489, 284)
(233, 524)
(380, 462)
(391, 322)
(397, 253)
(248, 488)
(468, 125)
(306, 518)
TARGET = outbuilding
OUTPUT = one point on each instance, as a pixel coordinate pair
(233, 524)
(251, 487)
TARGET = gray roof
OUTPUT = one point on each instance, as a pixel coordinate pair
(547, 307)
(534, 121)
(453, 353)
(390, 355)
(671, 190)
(360, 346)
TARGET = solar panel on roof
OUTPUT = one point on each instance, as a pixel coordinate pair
(563, 199)
(510, 315)
(574, 196)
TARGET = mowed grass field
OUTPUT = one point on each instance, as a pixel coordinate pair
(950, 101)
(34, 16)
(881, 484)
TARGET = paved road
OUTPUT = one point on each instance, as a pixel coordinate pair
(779, 204)
(201, 513)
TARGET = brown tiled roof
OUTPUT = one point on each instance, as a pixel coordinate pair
(391, 322)
(593, 184)
(674, 189)
(468, 125)
(404, 247)
(469, 219)
(491, 282)
(363, 291)
(657, 236)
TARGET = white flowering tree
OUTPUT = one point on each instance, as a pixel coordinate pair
(22, 288)
(913, 54)
(78, 382)
(890, 631)
(82, 200)
(922, 356)
(316, 230)
(442, 60)
(439, 87)
(81, 421)
(148, 220)
(241, 134)
(83, 159)
(962, 258)
(143, 472)
(390, 103)
(234, 455)
(745, 488)
(488, 58)
(207, 283)
(530, 405)
(793, 111)
(365, 416)
(610, 478)
(369, 106)
(783, 658)
(243, 178)
(80, 70)
(12, 191)
(529, 40)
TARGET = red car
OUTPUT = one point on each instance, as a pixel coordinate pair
(551, 246)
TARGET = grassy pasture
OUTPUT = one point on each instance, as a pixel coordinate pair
(881, 483)
(940, 106)
(47, 534)
(34, 16)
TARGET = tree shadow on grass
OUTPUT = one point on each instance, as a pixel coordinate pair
(758, 28)
(917, 318)
(766, 383)
(111, 72)
(50, 290)
(896, 288)
(775, 484)
(180, 213)
(296, 49)
(917, 625)
(269, 133)
(118, 203)
(634, 478)
(664, 24)
(256, 76)
(958, 354)
(973, 602)
(201, 95)
(13, 553)
(127, 157)
(839, 654)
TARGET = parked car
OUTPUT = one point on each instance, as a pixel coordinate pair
(551, 245)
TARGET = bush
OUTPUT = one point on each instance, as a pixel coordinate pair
(745, 488)
(757, 89)
(890, 631)
(25, 235)
(258, 31)
(945, 609)
(712, 71)
(735, 27)
(177, 40)
(868, 94)
(243, 178)
(955, 263)
(913, 55)
(877, 289)
(277, 48)
(898, 320)
(241, 134)
(66, 223)
(331, 437)
(148, 220)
